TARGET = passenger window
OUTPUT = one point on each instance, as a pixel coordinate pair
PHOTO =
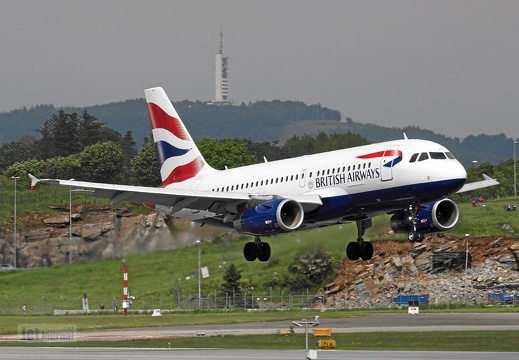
(413, 158)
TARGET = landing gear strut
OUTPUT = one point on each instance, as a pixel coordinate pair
(256, 250)
(360, 249)
(414, 235)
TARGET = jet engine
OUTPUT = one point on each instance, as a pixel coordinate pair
(271, 217)
(434, 217)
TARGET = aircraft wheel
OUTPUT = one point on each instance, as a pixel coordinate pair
(353, 251)
(366, 251)
(412, 236)
(250, 251)
(264, 251)
(419, 236)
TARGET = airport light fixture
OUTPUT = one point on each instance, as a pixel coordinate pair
(70, 223)
(474, 162)
(199, 244)
(14, 228)
(515, 172)
(306, 324)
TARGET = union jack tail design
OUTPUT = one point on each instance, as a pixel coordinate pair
(179, 158)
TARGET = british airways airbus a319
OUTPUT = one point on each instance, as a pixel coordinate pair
(410, 179)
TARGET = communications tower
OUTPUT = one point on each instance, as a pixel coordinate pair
(221, 80)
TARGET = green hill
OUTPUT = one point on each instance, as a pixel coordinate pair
(261, 121)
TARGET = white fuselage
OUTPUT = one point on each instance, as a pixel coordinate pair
(374, 178)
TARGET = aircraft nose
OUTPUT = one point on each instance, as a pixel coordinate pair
(459, 171)
(458, 176)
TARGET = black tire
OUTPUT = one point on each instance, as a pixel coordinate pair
(412, 236)
(353, 251)
(366, 251)
(250, 251)
(264, 251)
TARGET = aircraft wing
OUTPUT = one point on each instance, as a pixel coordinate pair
(479, 184)
(175, 199)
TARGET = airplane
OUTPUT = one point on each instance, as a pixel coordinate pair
(408, 178)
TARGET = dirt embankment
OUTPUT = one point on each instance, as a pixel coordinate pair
(435, 267)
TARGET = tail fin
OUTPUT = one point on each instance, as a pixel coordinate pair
(179, 156)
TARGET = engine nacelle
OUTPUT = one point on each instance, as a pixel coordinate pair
(271, 217)
(435, 217)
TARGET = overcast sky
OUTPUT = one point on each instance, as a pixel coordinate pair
(448, 66)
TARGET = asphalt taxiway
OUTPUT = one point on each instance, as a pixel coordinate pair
(354, 324)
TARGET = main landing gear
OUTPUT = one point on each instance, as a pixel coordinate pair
(414, 235)
(256, 250)
(360, 249)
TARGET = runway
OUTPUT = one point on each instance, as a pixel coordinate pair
(355, 324)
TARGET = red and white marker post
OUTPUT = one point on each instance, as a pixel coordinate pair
(125, 289)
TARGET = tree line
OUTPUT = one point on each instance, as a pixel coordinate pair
(78, 146)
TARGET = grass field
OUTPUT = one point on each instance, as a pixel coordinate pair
(153, 277)
(486, 341)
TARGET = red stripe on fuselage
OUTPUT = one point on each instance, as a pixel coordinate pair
(159, 119)
(380, 154)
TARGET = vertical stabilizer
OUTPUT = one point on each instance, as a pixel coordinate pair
(178, 154)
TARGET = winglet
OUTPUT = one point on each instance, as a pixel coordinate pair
(34, 181)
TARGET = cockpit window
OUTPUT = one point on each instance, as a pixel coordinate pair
(413, 158)
(449, 155)
(437, 155)
(423, 156)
